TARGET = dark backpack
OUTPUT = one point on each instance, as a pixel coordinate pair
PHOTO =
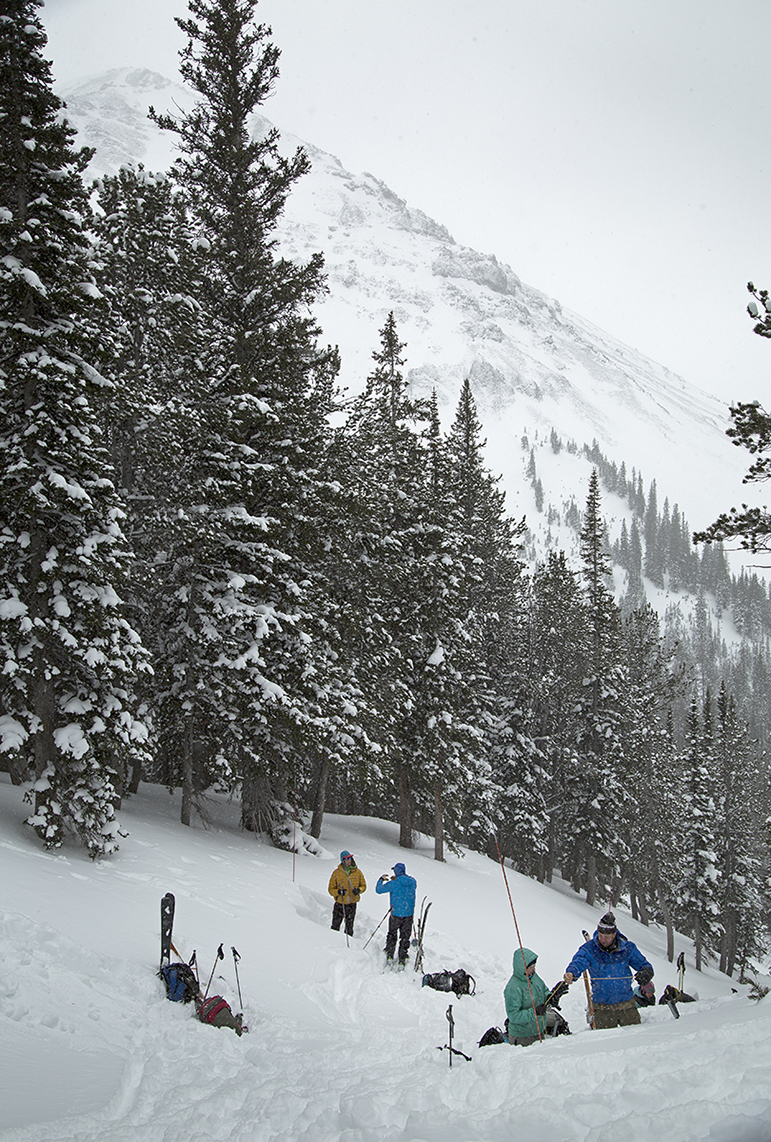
(458, 981)
(181, 984)
(492, 1035)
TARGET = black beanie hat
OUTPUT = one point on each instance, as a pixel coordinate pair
(607, 923)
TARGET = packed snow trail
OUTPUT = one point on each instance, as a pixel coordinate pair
(90, 1049)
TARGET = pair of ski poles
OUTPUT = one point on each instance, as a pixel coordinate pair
(220, 956)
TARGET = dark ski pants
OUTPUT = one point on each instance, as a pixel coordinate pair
(400, 926)
(338, 911)
(615, 1015)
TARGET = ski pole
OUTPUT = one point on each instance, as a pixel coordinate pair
(380, 925)
(522, 950)
(451, 1021)
(236, 958)
(219, 956)
(680, 971)
(589, 1001)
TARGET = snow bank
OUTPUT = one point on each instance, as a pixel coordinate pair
(338, 1049)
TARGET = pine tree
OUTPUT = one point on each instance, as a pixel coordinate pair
(149, 272)
(385, 454)
(742, 905)
(599, 778)
(555, 666)
(251, 687)
(698, 892)
(71, 658)
(489, 620)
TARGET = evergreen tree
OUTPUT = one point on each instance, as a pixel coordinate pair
(698, 891)
(650, 869)
(556, 665)
(251, 688)
(149, 274)
(71, 658)
(384, 438)
(490, 614)
(600, 792)
(742, 904)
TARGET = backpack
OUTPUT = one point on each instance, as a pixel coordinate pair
(181, 984)
(216, 1011)
(458, 981)
(492, 1035)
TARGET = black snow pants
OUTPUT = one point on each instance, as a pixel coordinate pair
(338, 911)
(400, 926)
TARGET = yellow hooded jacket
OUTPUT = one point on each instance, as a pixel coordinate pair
(352, 880)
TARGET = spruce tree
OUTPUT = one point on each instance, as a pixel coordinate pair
(384, 442)
(252, 692)
(698, 891)
(71, 658)
(149, 272)
(601, 792)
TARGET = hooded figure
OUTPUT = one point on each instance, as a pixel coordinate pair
(346, 884)
(524, 991)
(401, 888)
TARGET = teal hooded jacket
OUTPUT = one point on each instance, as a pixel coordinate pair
(519, 997)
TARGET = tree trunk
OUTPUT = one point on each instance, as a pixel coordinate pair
(405, 808)
(666, 913)
(591, 877)
(320, 797)
(136, 775)
(187, 773)
(438, 823)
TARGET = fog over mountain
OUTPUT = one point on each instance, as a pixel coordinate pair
(534, 366)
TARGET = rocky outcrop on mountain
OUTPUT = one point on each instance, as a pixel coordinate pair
(462, 313)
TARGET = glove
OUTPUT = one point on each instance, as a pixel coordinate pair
(540, 1009)
(356, 891)
(385, 876)
(644, 975)
(341, 892)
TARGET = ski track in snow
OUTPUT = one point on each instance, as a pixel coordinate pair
(339, 1050)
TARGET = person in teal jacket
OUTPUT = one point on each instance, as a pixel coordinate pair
(525, 991)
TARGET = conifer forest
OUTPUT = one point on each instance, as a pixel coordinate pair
(219, 570)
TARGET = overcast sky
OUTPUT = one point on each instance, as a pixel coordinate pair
(613, 152)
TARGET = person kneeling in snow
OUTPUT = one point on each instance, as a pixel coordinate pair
(528, 1018)
(610, 958)
(346, 884)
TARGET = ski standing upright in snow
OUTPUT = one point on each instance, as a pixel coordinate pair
(167, 924)
(419, 933)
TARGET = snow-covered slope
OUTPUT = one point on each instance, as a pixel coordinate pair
(337, 1051)
(532, 364)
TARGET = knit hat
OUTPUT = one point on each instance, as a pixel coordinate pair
(607, 924)
(399, 869)
(345, 854)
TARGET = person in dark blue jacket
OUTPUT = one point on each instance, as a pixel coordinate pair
(610, 959)
(401, 889)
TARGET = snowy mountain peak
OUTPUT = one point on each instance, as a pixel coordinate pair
(533, 366)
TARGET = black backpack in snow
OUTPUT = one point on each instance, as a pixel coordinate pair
(492, 1035)
(458, 981)
(181, 984)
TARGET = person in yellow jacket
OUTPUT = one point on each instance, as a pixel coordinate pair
(346, 884)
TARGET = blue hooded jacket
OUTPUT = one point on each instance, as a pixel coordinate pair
(610, 969)
(402, 891)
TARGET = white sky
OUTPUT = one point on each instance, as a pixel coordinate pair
(611, 152)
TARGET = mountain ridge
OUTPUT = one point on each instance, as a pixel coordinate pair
(533, 365)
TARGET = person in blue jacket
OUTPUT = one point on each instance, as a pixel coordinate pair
(610, 960)
(401, 889)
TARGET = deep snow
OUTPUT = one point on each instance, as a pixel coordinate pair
(338, 1049)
